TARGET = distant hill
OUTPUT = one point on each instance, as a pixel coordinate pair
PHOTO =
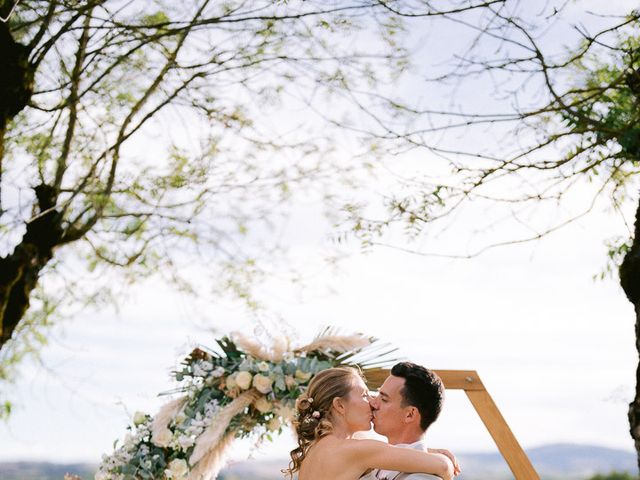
(44, 470)
(559, 461)
(552, 462)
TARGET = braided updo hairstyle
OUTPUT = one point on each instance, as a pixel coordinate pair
(313, 419)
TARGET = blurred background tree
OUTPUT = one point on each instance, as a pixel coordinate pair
(148, 138)
(613, 476)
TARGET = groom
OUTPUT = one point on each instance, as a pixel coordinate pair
(408, 402)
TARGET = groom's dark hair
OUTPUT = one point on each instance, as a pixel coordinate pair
(422, 389)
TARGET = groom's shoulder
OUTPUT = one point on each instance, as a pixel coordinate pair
(417, 476)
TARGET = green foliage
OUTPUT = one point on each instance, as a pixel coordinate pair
(617, 248)
(614, 476)
(606, 107)
(5, 410)
(155, 19)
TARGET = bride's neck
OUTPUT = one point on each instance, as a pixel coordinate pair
(340, 430)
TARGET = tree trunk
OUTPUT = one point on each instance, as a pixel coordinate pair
(19, 271)
(16, 81)
(630, 282)
(16, 85)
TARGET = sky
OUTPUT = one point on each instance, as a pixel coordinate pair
(553, 346)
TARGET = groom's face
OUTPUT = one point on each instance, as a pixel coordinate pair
(388, 413)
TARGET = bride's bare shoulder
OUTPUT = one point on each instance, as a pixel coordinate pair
(345, 449)
(365, 443)
(358, 447)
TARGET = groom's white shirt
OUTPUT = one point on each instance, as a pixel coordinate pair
(390, 475)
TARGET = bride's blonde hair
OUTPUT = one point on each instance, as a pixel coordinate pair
(313, 420)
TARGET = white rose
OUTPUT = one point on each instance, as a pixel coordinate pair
(263, 366)
(217, 372)
(262, 404)
(100, 475)
(177, 470)
(274, 424)
(262, 383)
(303, 376)
(243, 380)
(162, 438)
(139, 418)
(231, 381)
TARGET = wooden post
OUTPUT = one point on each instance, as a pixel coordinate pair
(469, 381)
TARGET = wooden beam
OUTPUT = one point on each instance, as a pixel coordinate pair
(460, 379)
(452, 379)
(505, 440)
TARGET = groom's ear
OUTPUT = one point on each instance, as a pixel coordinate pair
(411, 414)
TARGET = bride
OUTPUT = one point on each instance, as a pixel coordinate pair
(334, 407)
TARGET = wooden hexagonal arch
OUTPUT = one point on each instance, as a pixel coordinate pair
(469, 381)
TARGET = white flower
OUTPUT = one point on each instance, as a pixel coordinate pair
(162, 438)
(100, 475)
(303, 376)
(274, 424)
(180, 418)
(199, 370)
(211, 408)
(205, 365)
(194, 430)
(262, 383)
(262, 404)
(139, 418)
(177, 470)
(217, 372)
(263, 366)
(243, 380)
(185, 442)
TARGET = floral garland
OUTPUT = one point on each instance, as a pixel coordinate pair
(242, 388)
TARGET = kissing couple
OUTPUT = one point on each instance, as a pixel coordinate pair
(337, 404)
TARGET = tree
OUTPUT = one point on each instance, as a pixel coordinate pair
(137, 136)
(571, 117)
(613, 476)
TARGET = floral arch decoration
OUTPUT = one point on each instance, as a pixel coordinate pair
(244, 388)
(238, 389)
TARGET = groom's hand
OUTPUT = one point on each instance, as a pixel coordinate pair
(450, 456)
